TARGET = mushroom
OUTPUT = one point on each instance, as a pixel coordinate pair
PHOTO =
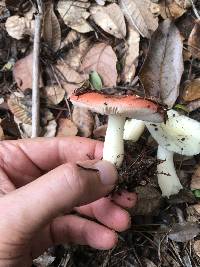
(133, 129)
(179, 134)
(118, 108)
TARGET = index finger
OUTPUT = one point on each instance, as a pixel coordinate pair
(27, 159)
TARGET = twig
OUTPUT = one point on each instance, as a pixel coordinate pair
(195, 10)
(35, 82)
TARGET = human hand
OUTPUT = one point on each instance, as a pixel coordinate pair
(40, 182)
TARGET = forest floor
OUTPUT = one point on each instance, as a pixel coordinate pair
(150, 48)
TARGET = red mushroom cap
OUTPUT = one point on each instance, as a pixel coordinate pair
(130, 106)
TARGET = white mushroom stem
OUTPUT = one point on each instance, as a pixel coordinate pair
(167, 177)
(114, 145)
(133, 129)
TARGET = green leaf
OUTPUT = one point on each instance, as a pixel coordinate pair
(182, 107)
(95, 80)
(197, 193)
(9, 65)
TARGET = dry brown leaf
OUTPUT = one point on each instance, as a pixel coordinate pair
(50, 129)
(17, 26)
(54, 94)
(102, 59)
(24, 129)
(194, 41)
(170, 9)
(196, 247)
(163, 68)
(139, 16)
(184, 231)
(66, 128)
(74, 14)
(155, 9)
(20, 109)
(51, 27)
(110, 18)
(22, 73)
(196, 209)
(185, 3)
(195, 182)
(131, 56)
(71, 38)
(149, 200)
(1, 132)
(193, 105)
(75, 55)
(148, 263)
(84, 121)
(45, 260)
(100, 131)
(191, 90)
(100, 2)
(69, 78)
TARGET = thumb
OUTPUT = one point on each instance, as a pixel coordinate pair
(63, 188)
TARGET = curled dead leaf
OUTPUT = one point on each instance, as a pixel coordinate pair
(110, 18)
(160, 80)
(139, 16)
(102, 59)
(84, 121)
(191, 90)
(194, 40)
(22, 73)
(66, 127)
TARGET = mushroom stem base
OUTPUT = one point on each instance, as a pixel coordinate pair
(167, 178)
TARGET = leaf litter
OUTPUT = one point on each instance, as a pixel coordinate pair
(143, 47)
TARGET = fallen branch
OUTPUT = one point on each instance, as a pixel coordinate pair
(35, 82)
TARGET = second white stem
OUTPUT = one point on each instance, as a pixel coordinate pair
(167, 178)
(114, 145)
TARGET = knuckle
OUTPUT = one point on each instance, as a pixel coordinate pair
(4, 148)
(74, 178)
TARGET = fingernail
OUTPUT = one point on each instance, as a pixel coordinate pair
(107, 171)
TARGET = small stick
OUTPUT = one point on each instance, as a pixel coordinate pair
(35, 81)
(195, 10)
